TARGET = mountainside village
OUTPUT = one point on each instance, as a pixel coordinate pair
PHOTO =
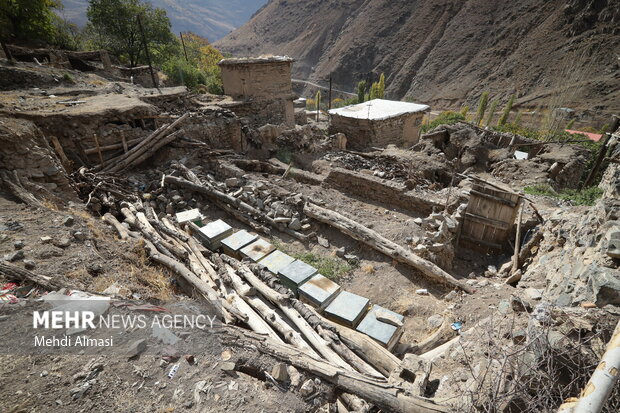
(356, 259)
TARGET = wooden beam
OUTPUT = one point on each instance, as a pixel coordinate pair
(429, 270)
(493, 198)
(488, 221)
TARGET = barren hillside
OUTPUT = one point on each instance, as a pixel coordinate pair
(444, 52)
(212, 19)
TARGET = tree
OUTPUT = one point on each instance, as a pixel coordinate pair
(27, 19)
(115, 28)
(381, 87)
(199, 69)
(504, 118)
(482, 107)
(361, 91)
(465, 111)
(492, 112)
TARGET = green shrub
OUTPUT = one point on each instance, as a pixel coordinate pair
(67, 78)
(586, 196)
(184, 73)
(331, 267)
(444, 118)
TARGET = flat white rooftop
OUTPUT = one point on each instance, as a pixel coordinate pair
(379, 109)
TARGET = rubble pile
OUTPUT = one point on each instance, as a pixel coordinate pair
(528, 356)
(577, 261)
(463, 147)
(440, 236)
(386, 167)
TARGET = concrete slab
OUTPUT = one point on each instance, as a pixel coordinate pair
(386, 334)
(347, 309)
(213, 233)
(276, 261)
(318, 291)
(295, 274)
(232, 245)
(257, 250)
(192, 215)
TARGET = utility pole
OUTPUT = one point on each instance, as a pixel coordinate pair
(329, 96)
(148, 55)
(184, 49)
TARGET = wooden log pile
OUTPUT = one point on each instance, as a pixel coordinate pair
(143, 150)
(282, 326)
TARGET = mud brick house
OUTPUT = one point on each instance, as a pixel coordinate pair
(379, 122)
(261, 86)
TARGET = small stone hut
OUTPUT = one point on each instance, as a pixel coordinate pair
(263, 84)
(379, 122)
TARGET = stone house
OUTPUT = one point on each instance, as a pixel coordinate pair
(379, 122)
(261, 87)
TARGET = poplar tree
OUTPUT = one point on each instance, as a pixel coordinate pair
(482, 107)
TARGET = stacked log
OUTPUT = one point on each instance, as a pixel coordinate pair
(143, 150)
(281, 324)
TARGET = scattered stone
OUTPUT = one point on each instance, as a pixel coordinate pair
(418, 221)
(227, 366)
(80, 236)
(388, 317)
(79, 391)
(68, 221)
(351, 259)
(15, 256)
(18, 245)
(295, 224)
(504, 306)
(46, 240)
(232, 182)
(341, 252)
(279, 372)
(29, 264)
(294, 376)
(63, 242)
(307, 388)
(136, 348)
(44, 373)
(451, 296)
(49, 252)
(435, 321)
(533, 294)
(323, 242)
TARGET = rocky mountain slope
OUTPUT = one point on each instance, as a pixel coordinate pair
(445, 52)
(212, 19)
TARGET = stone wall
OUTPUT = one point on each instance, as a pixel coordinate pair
(25, 152)
(380, 190)
(362, 133)
(264, 86)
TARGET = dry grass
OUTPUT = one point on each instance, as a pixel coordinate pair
(49, 205)
(368, 269)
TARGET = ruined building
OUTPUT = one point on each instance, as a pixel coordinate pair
(261, 87)
(379, 122)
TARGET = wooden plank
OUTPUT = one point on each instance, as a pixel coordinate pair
(494, 198)
(61, 153)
